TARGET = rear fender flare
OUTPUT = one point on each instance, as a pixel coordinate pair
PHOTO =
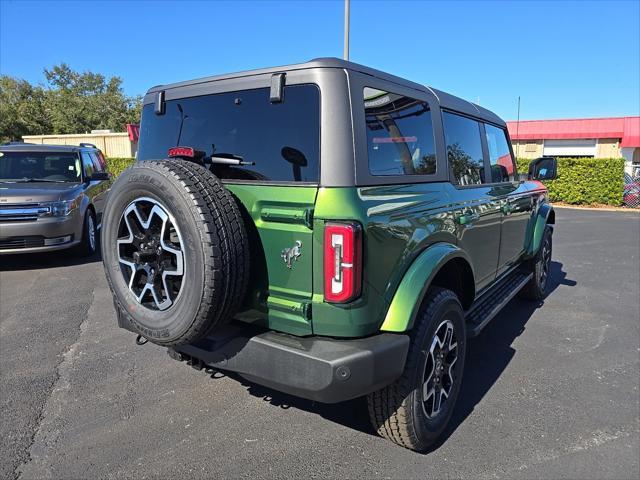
(544, 214)
(406, 301)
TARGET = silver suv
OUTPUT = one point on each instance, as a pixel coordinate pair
(51, 197)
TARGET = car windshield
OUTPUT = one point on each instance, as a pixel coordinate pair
(39, 167)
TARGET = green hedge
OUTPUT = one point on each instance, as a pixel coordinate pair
(585, 181)
(116, 165)
(581, 181)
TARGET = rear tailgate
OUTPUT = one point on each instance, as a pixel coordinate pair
(280, 233)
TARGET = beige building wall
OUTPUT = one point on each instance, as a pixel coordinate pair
(527, 148)
(605, 148)
(111, 144)
(608, 148)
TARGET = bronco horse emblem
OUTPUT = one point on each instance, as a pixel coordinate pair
(290, 255)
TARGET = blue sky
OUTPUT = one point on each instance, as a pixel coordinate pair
(565, 59)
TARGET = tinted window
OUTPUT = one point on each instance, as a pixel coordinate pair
(464, 149)
(87, 162)
(57, 167)
(283, 139)
(399, 134)
(101, 160)
(97, 164)
(502, 167)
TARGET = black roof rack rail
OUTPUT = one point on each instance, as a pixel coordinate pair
(88, 145)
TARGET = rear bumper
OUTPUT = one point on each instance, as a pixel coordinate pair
(317, 368)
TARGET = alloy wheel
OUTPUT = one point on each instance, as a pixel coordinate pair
(150, 252)
(545, 264)
(439, 375)
(91, 233)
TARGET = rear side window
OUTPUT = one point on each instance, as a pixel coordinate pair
(87, 163)
(464, 149)
(399, 134)
(97, 163)
(102, 163)
(281, 139)
(502, 166)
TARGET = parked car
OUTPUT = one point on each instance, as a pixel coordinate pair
(51, 197)
(631, 193)
(327, 230)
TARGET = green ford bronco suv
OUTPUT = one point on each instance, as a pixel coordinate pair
(327, 230)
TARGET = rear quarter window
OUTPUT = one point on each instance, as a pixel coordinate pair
(399, 134)
(281, 139)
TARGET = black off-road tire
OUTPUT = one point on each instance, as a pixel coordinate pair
(397, 412)
(214, 245)
(89, 243)
(540, 265)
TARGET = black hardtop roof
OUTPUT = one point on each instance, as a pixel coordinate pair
(34, 147)
(446, 100)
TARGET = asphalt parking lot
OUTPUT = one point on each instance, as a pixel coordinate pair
(550, 391)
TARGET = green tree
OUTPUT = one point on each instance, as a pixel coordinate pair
(22, 109)
(79, 102)
(70, 102)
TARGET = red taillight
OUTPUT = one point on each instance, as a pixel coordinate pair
(342, 262)
(182, 152)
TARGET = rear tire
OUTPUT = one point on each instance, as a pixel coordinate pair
(405, 411)
(175, 251)
(540, 265)
(88, 243)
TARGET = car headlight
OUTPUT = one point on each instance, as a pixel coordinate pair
(62, 208)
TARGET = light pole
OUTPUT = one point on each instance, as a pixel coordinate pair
(346, 30)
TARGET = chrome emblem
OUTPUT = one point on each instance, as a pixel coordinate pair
(290, 255)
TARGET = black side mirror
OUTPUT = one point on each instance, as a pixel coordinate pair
(99, 176)
(543, 168)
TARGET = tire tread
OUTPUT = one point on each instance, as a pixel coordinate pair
(532, 291)
(224, 241)
(390, 408)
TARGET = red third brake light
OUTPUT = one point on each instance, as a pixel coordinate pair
(182, 152)
(342, 262)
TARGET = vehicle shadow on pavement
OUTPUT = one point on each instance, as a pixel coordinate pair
(35, 261)
(489, 354)
(487, 357)
(352, 414)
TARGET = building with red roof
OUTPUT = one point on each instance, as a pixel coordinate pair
(611, 137)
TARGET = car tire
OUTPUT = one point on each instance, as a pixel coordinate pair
(88, 243)
(405, 412)
(175, 251)
(540, 265)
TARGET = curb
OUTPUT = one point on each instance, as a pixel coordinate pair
(598, 209)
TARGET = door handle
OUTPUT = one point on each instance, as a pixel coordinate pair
(467, 218)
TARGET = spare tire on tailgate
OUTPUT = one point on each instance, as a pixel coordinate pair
(175, 251)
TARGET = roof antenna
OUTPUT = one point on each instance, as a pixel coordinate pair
(517, 130)
(183, 117)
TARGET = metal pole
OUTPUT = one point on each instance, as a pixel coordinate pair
(518, 130)
(346, 30)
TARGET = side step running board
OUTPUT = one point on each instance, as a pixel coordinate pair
(494, 300)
